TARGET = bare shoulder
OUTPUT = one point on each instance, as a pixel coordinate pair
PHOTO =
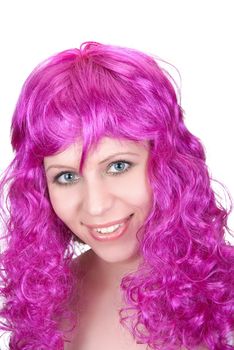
(79, 267)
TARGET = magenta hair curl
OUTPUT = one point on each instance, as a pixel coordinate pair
(183, 292)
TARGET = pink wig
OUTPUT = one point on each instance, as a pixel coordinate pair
(183, 292)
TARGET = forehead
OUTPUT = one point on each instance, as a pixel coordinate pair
(104, 148)
(110, 145)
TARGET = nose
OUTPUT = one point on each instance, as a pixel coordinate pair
(97, 198)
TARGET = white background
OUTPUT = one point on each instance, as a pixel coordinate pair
(195, 36)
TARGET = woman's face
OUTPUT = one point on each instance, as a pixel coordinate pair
(112, 195)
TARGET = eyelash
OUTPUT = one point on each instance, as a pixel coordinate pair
(56, 178)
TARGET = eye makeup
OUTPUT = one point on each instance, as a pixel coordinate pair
(68, 177)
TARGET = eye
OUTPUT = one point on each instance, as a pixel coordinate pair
(119, 167)
(115, 168)
(66, 178)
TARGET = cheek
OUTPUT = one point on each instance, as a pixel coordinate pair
(62, 203)
(136, 191)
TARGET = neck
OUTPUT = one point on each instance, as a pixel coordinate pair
(110, 274)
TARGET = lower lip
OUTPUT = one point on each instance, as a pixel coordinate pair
(104, 237)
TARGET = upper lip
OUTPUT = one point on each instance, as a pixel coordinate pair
(109, 223)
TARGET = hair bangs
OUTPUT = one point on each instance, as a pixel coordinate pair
(182, 289)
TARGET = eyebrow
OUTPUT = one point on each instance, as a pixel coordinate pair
(59, 166)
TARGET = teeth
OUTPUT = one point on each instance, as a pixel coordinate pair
(108, 229)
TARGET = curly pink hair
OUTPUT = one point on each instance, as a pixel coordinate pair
(182, 293)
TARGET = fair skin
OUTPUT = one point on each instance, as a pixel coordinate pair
(98, 197)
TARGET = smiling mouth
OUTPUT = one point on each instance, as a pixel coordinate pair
(108, 225)
(111, 232)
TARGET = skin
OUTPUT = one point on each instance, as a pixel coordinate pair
(99, 197)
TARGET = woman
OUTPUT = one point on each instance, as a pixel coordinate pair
(102, 157)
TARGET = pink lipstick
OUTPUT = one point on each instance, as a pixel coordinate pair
(119, 228)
